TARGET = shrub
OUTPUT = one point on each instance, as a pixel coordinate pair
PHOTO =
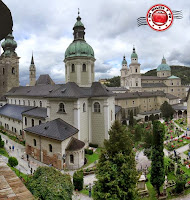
(1, 142)
(13, 162)
(180, 185)
(89, 151)
(93, 145)
(78, 180)
(1, 128)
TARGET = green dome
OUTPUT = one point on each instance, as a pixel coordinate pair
(78, 23)
(163, 66)
(124, 62)
(79, 48)
(134, 55)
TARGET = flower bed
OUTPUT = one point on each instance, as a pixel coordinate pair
(177, 143)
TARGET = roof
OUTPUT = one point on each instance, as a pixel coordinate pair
(173, 77)
(153, 85)
(117, 109)
(14, 111)
(117, 88)
(36, 112)
(179, 107)
(11, 186)
(150, 112)
(132, 95)
(163, 66)
(44, 79)
(143, 77)
(56, 129)
(171, 96)
(75, 145)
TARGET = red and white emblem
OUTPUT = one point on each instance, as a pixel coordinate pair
(159, 17)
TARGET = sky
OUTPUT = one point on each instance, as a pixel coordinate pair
(46, 28)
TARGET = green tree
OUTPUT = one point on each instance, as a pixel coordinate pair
(116, 170)
(78, 180)
(167, 110)
(157, 166)
(131, 119)
(47, 183)
(114, 82)
(1, 142)
(138, 133)
(13, 162)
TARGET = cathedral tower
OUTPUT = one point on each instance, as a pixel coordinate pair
(32, 72)
(134, 73)
(79, 58)
(9, 65)
(124, 72)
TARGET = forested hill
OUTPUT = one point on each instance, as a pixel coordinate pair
(182, 72)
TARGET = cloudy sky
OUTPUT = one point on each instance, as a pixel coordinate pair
(45, 27)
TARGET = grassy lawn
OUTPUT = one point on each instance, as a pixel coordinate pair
(4, 152)
(92, 158)
(20, 174)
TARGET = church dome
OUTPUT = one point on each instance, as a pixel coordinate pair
(79, 48)
(124, 62)
(163, 66)
(134, 54)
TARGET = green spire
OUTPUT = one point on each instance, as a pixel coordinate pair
(134, 55)
(124, 62)
(163, 60)
(78, 23)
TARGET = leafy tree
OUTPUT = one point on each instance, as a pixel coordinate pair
(138, 133)
(116, 169)
(131, 119)
(47, 183)
(78, 180)
(114, 82)
(1, 142)
(13, 162)
(157, 166)
(167, 110)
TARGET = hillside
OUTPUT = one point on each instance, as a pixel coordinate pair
(182, 72)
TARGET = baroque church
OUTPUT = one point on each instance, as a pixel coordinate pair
(57, 121)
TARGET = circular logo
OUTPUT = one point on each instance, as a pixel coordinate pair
(159, 17)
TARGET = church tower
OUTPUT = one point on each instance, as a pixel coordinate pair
(134, 73)
(32, 72)
(9, 65)
(124, 73)
(79, 58)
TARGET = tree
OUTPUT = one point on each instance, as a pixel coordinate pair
(167, 110)
(116, 170)
(131, 119)
(157, 166)
(78, 180)
(1, 142)
(13, 162)
(114, 82)
(48, 183)
(138, 133)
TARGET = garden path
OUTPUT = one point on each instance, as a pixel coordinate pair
(79, 196)
(187, 197)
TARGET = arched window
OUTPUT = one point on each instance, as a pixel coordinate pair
(84, 68)
(25, 119)
(96, 107)
(32, 122)
(34, 103)
(34, 142)
(62, 107)
(3, 70)
(13, 70)
(50, 148)
(40, 103)
(40, 122)
(15, 130)
(84, 107)
(136, 70)
(28, 102)
(73, 68)
(71, 158)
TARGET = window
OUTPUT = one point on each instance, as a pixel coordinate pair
(15, 130)
(62, 107)
(32, 122)
(136, 70)
(13, 70)
(15, 101)
(34, 104)
(71, 158)
(73, 68)
(133, 102)
(97, 107)
(24, 102)
(34, 142)
(28, 102)
(50, 148)
(19, 102)
(40, 122)
(163, 74)
(172, 90)
(3, 70)
(84, 68)
(40, 103)
(136, 84)
(84, 107)
(20, 132)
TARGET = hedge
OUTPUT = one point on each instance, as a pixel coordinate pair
(93, 145)
(89, 151)
(78, 180)
(13, 162)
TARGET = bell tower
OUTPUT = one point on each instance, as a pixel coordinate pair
(9, 65)
(32, 72)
